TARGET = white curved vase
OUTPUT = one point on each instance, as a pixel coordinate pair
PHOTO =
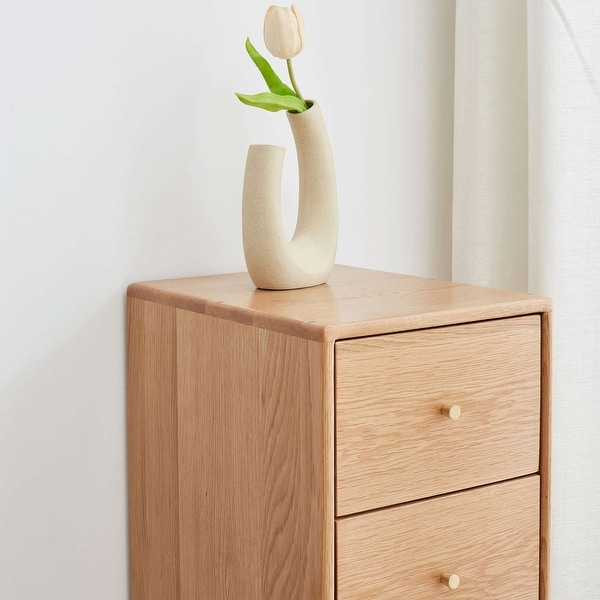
(273, 262)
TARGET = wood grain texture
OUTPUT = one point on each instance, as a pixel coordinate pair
(255, 462)
(354, 302)
(394, 444)
(488, 536)
(152, 452)
(545, 454)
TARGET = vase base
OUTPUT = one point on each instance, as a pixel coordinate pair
(265, 280)
(276, 288)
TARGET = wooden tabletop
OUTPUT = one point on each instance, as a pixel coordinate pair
(353, 303)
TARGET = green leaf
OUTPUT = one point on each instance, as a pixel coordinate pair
(274, 102)
(275, 85)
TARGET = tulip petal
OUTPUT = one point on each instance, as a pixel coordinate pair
(300, 24)
(273, 102)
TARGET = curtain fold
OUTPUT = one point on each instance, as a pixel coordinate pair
(526, 215)
(490, 144)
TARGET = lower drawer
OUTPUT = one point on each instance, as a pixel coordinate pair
(487, 536)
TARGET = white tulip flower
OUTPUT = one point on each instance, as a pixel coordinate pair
(283, 31)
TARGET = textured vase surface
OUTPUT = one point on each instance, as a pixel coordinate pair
(307, 259)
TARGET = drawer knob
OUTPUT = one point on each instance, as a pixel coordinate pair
(452, 412)
(450, 580)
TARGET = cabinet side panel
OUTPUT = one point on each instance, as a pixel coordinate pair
(152, 452)
(252, 471)
(297, 428)
(217, 369)
(545, 452)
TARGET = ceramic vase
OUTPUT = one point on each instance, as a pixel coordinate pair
(274, 262)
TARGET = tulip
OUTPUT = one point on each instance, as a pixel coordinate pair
(284, 38)
(283, 31)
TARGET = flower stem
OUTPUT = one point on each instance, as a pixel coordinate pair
(293, 79)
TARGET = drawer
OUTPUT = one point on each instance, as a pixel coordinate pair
(393, 444)
(487, 536)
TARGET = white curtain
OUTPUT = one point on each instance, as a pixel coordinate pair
(526, 215)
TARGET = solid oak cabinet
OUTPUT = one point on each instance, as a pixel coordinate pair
(374, 438)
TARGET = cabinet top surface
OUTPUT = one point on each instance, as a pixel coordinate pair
(354, 302)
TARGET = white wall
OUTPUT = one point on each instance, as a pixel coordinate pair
(122, 151)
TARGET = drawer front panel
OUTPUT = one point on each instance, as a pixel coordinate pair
(487, 536)
(393, 444)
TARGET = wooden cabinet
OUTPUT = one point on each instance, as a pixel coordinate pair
(378, 437)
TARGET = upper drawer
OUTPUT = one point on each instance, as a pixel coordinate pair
(393, 444)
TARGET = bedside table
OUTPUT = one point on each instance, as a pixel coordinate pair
(377, 437)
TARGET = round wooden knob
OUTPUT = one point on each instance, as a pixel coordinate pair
(452, 412)
(450, 580)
